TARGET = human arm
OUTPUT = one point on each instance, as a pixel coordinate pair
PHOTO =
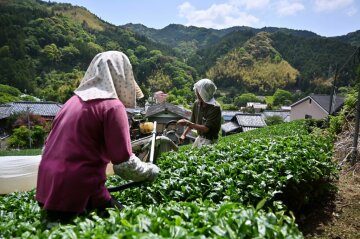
(136, 170)
(190, 125)
(118, 145)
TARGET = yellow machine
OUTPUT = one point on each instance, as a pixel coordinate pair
(146, 127)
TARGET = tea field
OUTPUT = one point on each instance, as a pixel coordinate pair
(248, 185)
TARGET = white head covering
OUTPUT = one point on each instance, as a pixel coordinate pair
(206, 89)
(110, 76)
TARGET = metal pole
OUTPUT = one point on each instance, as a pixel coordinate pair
(332, 91)
(153, 144)
(28, 120)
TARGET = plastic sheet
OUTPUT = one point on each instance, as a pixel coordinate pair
(18, 173)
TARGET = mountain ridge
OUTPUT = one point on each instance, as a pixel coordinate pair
(48, 48)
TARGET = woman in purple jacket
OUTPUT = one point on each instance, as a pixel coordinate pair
(90, 131)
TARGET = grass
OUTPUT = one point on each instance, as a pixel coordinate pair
(18, 152)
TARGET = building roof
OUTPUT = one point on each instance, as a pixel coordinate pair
(256, 105)
(250, 120)
(244, 121)
(324, 102)
(230, 126)
(45, 109)
(134, 110)
(228, 115)
(167, 107)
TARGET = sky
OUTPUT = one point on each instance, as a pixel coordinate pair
(323, 17)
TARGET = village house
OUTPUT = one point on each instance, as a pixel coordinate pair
(315, 106)
(47, 110)
(243, 122)
(165, 112)
(255, 106)
(228, 115)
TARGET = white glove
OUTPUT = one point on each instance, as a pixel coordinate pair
(136, 170)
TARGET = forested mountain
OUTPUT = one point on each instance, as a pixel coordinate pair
(256, 67)
(352, 38)
(45, 49)
(315, 57)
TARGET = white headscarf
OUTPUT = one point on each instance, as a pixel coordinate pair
(206, 89)
(110, 76)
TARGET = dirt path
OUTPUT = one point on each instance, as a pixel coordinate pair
(339, 217)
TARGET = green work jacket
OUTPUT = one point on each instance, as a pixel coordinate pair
(208, 115)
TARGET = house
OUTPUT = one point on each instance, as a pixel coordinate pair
(47, 110)
(165, 112)
(228, 115)
(315, 106)
(256, 106)
(243, 122)
(160, 97)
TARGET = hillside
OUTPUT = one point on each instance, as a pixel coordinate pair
(315, 57)
(352, 38)
(46, 51)
(175, 34)
(255, 67)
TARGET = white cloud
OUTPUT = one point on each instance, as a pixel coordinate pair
(217, 16)
(250, 4)
(329, 5)
(286, 8)
(185, 8)
(351, 12)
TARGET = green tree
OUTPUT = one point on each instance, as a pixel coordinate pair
(52, 53)
(282, 97)
(160, 81)
(20, 138)
(275, 119)
(69, 53)
(242, 99)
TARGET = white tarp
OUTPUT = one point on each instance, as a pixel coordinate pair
(18, 173)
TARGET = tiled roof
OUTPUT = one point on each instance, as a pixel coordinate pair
(228, 115)
(4, 110)
(167, 107)
(250, 120)
(284, 114)
(134, 110)
(45, 109)
(229, 126)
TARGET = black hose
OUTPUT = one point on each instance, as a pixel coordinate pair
(124, 186)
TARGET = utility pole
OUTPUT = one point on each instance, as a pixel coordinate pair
(354, 152)
(333, 91)
(29, 125)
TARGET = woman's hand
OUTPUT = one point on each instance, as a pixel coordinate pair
(182, 139)
(183, 122)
